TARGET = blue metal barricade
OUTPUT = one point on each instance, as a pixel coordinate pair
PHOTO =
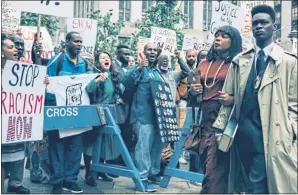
(108, 116)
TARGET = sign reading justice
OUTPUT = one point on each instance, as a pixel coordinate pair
(22, 100)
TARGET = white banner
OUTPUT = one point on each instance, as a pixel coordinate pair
(192, 42)
(225, 13)
(28, 33)
(88, 30)
(54, 8)
(10, 17)
(165, 38)
(247, 6)
(22, 100)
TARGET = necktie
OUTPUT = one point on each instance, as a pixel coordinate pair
(261, 63)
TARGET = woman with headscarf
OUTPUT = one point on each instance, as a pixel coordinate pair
(227, 44)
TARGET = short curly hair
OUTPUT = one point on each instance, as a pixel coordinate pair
(264, 9)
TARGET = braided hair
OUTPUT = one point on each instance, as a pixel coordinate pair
(236, 45)
(115, 75)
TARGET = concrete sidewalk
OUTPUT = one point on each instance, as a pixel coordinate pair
(118, 186)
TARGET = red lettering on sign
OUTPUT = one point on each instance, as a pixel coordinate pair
(19, 127)
(3, 98)
(11, 129)
(33, 104)
(27, 127)
(82, 23)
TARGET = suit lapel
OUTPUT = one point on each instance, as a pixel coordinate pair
(271, 73)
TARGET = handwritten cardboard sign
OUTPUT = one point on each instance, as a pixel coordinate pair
(10, 17)
(88, 30)
(247, 6)
(22, 102)
(54, 8)
(165, 109)
(165, 39)
(28, 33)
(225, 13)
(192, 42)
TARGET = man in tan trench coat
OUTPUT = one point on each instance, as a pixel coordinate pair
(270, 95)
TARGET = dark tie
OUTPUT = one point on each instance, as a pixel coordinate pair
(261, 63)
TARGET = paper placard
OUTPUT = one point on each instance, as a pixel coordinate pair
(22, 99)
(88, 30)
(165, 39)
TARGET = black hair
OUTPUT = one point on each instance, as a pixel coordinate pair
(236, 44)
(115, 75)
(121, 46)
(3, 38)
(264, 9)
(199, 55)
(69, 35)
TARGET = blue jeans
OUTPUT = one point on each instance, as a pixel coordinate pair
(147, 154)
(65, 157)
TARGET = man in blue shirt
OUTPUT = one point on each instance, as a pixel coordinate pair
(149, 146)
(65, 154)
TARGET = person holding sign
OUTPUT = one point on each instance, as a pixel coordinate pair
(65, 153)
(213, 70)
(13, 155)
(263, 83)
(105, 89)
(149, 146)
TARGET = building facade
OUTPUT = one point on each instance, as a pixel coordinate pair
(198, 14)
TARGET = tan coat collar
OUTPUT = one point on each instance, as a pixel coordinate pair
(275, 54)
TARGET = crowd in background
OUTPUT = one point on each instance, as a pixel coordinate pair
(261, 83)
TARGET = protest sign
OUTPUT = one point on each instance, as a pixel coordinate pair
(10, 18)
(54, 8)
(192, 42)
(28, 33)
(165, 109)
(247, 6)
(22, 102)
(165, 39)
(225, 13)
(141, 44)
(88, 30)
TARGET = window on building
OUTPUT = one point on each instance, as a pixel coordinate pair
(82, 8)
(188, 12)
(277, 8)
(207, 14)
(294, 14)
(124, 10)
(277, 5)
(124, 40)
(146, 4)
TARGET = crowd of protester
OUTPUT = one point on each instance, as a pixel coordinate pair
(261, 83)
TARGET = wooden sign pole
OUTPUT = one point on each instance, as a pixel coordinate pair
(38, 60)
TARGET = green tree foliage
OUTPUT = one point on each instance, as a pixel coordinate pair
(107, 31)
(50, 22)
(163, 14)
